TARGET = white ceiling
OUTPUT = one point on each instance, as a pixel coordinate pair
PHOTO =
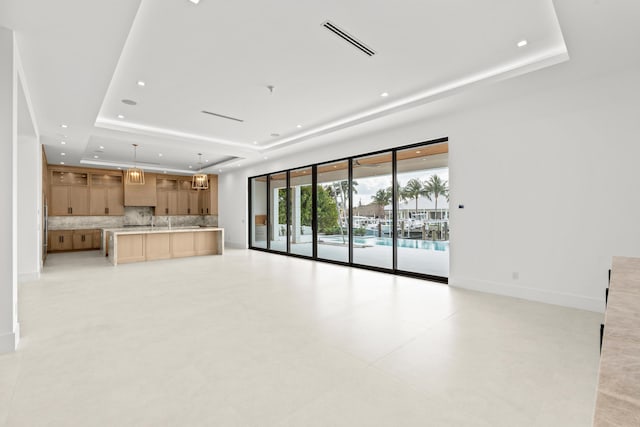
(82, 58)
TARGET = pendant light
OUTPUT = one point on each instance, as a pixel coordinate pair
(135, 175)
(200, 181)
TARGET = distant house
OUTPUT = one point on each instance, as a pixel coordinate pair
(426, 209)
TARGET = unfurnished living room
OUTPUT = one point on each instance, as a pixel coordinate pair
(338, 213)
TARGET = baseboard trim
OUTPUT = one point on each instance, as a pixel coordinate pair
(28, 277)
(531, 294)
(9, 342)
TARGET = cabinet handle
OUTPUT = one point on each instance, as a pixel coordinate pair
(68, 210)
(106, 210)
(71, 210)
(188, 210)
(166, 210)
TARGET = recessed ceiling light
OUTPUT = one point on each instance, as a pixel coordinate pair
(219, 170)
(190, 166)
(63, 142)
(335, 166)
(120, 116)
(159, 154)
(62, 163)
(255, 142)
(63, 154)
(418, 152)
(95, 157)
(195, 1)
(141, 83)
(384, 94)
(119, 168)
(102, 147)
(206, 161)
(265, 157)
(299, 126)
(165, 171)
(64, 126)
(522, 43)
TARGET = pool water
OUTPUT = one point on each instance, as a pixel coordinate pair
(402, 243)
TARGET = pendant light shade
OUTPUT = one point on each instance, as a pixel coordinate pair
(200, 181)
(135, 175)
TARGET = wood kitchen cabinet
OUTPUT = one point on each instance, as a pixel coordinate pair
(141, 194)
(69, 193)
(82, 239)
(76, 240)
(187, 198)
(107, 194)
(97, 239)
(167, 196)
(60, 240)
(208, 199)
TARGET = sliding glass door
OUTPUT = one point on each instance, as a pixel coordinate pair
(332, 202)
(278, 212)
(422, 207)
(258, 214)
(387, 210)
(301, 212)
(372, 220)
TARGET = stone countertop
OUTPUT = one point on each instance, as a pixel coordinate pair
(618, 392)
(149, 230)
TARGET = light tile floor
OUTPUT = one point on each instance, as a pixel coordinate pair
(256, 339)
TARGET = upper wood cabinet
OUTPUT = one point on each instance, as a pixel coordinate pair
(107, 194)
(208, 202)
(69, 193)
(141, 195)
(80, 191)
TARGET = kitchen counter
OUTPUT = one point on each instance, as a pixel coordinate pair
(136, 244)
(618, 392)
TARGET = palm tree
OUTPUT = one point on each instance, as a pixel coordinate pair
(436, 187)
(413, 190)
(339, 190)
(382, 198)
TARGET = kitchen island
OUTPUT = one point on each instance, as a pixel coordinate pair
(125, 245)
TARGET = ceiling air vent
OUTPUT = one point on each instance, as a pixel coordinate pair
(349, 38)
(222, 116)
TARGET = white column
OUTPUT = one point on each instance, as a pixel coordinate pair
(275, 229)
(296, 219)
(9, 327)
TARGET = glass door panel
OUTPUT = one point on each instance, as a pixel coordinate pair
(278, 218)
(300, 212)
(372, 214)
(258, 216)
(333, 212)
(423, 210)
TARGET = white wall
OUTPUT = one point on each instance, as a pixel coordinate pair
(546, 166)
(9, 327)
(29, 208)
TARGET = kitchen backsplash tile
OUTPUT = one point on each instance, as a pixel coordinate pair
(132, 216)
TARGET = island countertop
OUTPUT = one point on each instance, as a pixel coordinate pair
(135, 244)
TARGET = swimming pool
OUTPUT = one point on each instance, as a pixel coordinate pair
(388, 241)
